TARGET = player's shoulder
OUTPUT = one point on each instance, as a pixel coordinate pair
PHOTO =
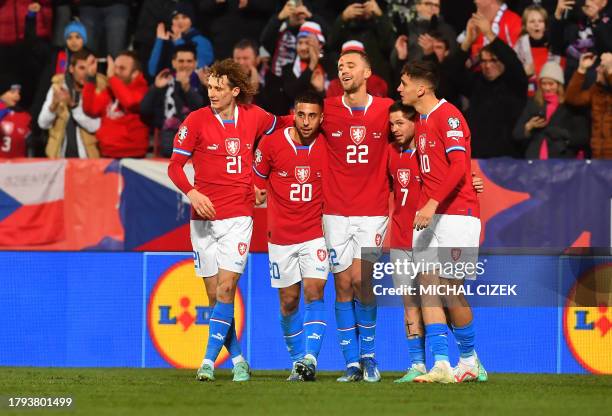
(449, 114)
(330, 103)
(199, 114)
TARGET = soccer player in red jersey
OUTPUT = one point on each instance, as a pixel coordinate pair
(291, 163)
(220, 139)
(447, 223)
(406, 185)
(356, 209)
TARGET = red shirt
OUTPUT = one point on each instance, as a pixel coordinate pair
(442, 131)
(509, 26)
(404, 170)
(356, 181)
(14, 130)
(222, 156)
(295, 194)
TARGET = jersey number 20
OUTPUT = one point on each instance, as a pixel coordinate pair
(301, 192)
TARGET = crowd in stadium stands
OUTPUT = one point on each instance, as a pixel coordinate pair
(115, 78)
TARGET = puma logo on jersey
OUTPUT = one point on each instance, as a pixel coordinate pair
(337, 134)
(302, 173)
(377, 135)
(283, 174)
(213, 147)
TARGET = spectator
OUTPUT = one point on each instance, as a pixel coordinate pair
(173, 96)
(550, 128)
(279, 37)
(599, 97)
(12, 21)
(182, 32)
(246, 54)
(376, 86)
(366, 23)
(14, 122)
(427, 19)
(71, 131)
(122, 133)
(532, 47)
(306, 72)
(505, 25)
(228, 21)
(150, 14)
(575, 32)
(496, 94)
(108, 20)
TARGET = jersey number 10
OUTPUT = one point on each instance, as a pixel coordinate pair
(234, 164)
(425, 168)
(301, 192)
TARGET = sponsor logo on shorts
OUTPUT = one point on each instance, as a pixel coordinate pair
(378, 240)
(588, 329)
(320, 269)
(232, 146)
(322, 254)
(242, 248)
(178, 315)
(403, 177)
(358, 134)
(456, 254)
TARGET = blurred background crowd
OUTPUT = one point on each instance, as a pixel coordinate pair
(115, 78)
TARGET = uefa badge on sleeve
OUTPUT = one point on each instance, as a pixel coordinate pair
(454, 123)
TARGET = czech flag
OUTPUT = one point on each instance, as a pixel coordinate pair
(32, 203)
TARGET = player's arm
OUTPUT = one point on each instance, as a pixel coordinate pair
(184, 144)
(456, 172)
(477, 183)
(262, 169)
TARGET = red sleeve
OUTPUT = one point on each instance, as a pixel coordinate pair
(456, 172)
(262, 167)
(453, 133)
(94, 104)
(129, 96)
(184, 144)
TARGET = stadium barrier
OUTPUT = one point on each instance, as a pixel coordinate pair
(147, 309)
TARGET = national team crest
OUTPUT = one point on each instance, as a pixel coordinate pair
(242, 248)
(322, 254)
(454, 123)
(302, 173)
(378, 240)
(403, 177)
(182, 134)
(422, 142)
(232, 145)
(456, 254)
(358, 134)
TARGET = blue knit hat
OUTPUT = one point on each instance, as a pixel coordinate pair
(77, 27)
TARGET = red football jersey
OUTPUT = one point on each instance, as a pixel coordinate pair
(442, 131)
(404, 169)
(295, 195)
(222, 156)
(14, 130)
(356, 181)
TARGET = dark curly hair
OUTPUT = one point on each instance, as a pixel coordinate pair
(237, 78)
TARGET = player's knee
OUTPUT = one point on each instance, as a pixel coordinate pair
(225, 292)
(312, 293)
(344, 290)
(289, 304)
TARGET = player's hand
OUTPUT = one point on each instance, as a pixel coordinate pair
(201, 204)
(562, 7)
(477, 183)
(423, 217)
(401, 47)
(261, 195)
(586, 61)
(353, 11)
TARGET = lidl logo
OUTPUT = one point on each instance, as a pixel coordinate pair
(587, 320)
(178, 315)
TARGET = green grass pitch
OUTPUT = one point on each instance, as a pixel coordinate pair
(176, 392)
